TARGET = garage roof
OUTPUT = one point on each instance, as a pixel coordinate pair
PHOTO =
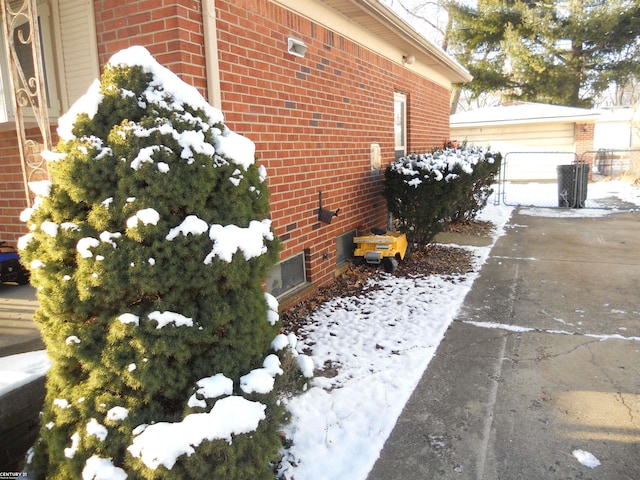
(510, 114)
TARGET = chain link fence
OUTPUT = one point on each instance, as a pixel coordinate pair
(562, 179)
(606, 164)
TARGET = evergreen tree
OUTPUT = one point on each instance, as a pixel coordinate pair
(564, 52)
(147, 250)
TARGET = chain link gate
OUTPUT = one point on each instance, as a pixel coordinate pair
(561, 179)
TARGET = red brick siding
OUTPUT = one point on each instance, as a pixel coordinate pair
(13, 195)
(313, 120)
(584, 140)
(170, 29)
(12, 199)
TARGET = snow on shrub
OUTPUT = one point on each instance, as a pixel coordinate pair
(425, 192)
(148, 249)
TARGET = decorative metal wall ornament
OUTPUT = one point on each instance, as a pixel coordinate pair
(29, 93)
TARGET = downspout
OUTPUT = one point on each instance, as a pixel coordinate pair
(212, 70)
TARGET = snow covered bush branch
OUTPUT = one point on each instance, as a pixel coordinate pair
(425, 192)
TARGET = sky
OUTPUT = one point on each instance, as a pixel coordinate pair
(426, 17)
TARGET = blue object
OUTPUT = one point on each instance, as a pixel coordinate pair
(6, 256)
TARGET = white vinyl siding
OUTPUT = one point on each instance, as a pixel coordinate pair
(540, 139)
(528, 136)
(78, 55)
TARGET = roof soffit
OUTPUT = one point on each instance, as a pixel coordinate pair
(382, 22)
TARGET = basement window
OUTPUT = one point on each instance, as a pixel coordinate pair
(286, 276)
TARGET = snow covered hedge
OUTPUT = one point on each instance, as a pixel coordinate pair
(147, 250)
(425, 192)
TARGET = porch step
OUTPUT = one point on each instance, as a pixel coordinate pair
(19, 423)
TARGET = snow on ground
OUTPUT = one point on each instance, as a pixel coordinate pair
(586, 458)
(602, 196)
(375, 348)
(380, 343)
(21, 369)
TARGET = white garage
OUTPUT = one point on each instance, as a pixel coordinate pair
(533, 138)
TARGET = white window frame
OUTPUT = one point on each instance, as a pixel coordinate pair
(400, 124)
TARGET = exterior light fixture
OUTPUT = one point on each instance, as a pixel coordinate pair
(296, 47)
(408, 59)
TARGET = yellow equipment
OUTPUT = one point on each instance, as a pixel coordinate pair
(386, 248)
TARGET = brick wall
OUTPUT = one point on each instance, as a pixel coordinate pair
(313, 120)
(584, 140)
(170, 29)
(12, 199)
(13, 196)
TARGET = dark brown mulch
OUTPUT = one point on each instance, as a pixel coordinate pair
(436, 260)
(482, 229)
(351, 282)
(433, 259)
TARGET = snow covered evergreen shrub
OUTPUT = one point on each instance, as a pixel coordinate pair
(425, 192)
(147, 250)
(483, 177)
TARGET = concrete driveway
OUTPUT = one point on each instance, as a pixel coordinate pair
(542, 361)
(18, 332)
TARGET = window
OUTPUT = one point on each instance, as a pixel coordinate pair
(286, 276)
(25, 58)
(344, 247)
(69, 54)
(400, 123)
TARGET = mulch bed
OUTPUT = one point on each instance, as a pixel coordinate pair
(433, 259)
(476, 227)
